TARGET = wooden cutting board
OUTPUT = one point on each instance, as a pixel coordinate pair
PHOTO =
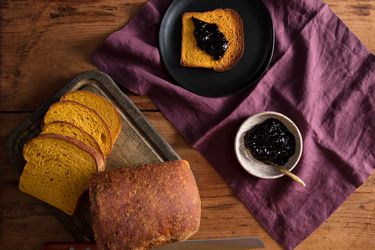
(138, 142)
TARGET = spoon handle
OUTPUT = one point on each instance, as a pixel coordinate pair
(291, 175)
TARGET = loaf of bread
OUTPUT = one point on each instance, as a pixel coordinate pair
(101, 105)
(84, 118)
(229, 23)
(58, 169)
(67, 129)
(146, 206)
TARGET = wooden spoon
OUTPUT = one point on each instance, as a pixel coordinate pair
(288, 173)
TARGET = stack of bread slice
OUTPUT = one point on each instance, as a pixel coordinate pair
(78, 134)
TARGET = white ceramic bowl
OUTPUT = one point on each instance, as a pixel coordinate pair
(256, 167)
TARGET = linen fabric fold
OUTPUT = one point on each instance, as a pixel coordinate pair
(321, 76)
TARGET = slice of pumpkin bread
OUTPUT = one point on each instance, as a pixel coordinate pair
(101, 105)
(67, 129)
(84, 118)
(229, 23)
(58, 170)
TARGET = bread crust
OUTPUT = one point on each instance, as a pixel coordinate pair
(183, 52)
(145, 206)
(239, 43)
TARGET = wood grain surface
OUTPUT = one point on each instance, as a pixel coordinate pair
(43, 44)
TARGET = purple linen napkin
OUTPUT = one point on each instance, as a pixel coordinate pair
(321, 76)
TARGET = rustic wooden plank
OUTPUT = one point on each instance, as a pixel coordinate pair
(8, 121)
(45, 43)
(25, 221)
(359, 16)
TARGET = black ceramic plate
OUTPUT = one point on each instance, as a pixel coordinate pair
(259, 44)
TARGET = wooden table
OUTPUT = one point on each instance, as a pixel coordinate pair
(45, 43)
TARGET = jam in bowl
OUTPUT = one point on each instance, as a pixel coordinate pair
(265, 139)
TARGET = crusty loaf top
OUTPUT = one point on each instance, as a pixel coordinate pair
(145, 206)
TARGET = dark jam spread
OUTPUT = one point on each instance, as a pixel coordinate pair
(270, 141)
(210, 39)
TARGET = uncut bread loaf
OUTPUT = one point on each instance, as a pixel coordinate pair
(145, 206)
(101, 105)
(58, 169)
(67, 129)
(229, 23)
(84, 118)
